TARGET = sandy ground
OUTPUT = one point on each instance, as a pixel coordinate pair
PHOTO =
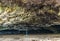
(51, 37)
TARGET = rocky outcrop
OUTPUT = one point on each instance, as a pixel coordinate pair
(29, 12)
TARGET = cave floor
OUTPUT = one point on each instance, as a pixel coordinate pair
(45, 37)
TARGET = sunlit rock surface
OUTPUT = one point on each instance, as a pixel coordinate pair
(15, 14)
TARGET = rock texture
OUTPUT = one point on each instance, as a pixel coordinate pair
(29, 12)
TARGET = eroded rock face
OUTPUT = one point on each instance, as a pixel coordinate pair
(21, 2)
(30, 12)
